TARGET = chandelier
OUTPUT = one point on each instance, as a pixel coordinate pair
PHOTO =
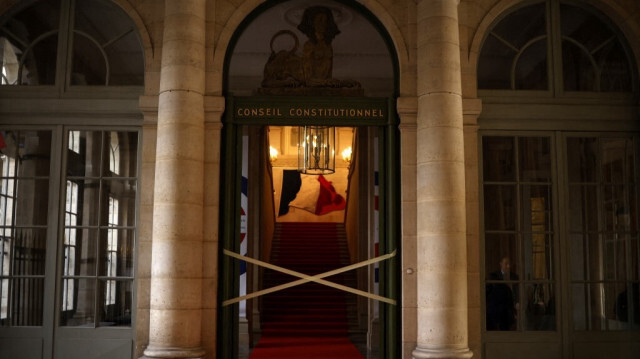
(316, 151)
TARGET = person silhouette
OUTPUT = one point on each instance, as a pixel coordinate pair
(502, 298)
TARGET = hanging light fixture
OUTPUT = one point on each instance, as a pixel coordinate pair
(316, 151)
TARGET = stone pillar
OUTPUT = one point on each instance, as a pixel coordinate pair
(441, 237)
(176, 269)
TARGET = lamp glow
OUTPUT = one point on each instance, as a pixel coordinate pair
(273, 154)
(346, 154)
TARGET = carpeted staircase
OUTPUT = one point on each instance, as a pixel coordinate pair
(310, 320)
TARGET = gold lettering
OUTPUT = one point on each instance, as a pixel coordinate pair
(360, 112)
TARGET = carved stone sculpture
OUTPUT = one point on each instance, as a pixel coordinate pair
(311, 73)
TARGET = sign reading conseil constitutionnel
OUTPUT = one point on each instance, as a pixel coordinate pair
(339, 110)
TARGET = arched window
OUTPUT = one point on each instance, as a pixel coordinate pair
(104, 46)
(531, 44)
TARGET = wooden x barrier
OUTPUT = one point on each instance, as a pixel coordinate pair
(306, 278)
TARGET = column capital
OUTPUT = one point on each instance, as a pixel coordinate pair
(471, 106)
(149, 107)
(213, 108)
(407, 108)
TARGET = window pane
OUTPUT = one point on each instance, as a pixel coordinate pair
(538, 259)
(496, 59)
(28, 151)
(584, 250)
(28, 249)
(117, 246)
(531, 70)
(522, 25)
(86, 161)
(615, 257)
(84, 205)
(32, 202)
(500, 207)
(618, 202)
(31, 37)
(616, 71)
(116, 302)
(7, 201)
(498, 159)
(581, 159)
(114, 32)
(535, 159)
(505, 41)
(583, 208)
(126, 61)
(124, 193)
(578, 70)
(596, 303)
(80, 252)
(602, 49)
(617, 160)
(26, 298)
(540, 311)
(89, 63)
(99, 153)
(536, 209)
(627, 308)
(123, 153)
(81, 299)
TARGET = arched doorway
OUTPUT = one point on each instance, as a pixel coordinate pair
(281, 78)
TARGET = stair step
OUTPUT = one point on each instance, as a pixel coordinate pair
(310, 309)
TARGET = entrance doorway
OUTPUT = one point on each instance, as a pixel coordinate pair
(290, 65)
(308, 261)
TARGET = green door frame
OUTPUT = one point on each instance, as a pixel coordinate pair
(289, 111)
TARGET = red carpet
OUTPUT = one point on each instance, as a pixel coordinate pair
(310, 320)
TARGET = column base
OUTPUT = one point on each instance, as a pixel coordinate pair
(430, 353)
(173, 353)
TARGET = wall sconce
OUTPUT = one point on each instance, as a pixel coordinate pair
(316, 151)
(273, 154)
(346, 155)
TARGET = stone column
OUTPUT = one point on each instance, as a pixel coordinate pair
(441, 247)
(176, 269)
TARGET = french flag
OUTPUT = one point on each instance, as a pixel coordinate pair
(312, 193)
